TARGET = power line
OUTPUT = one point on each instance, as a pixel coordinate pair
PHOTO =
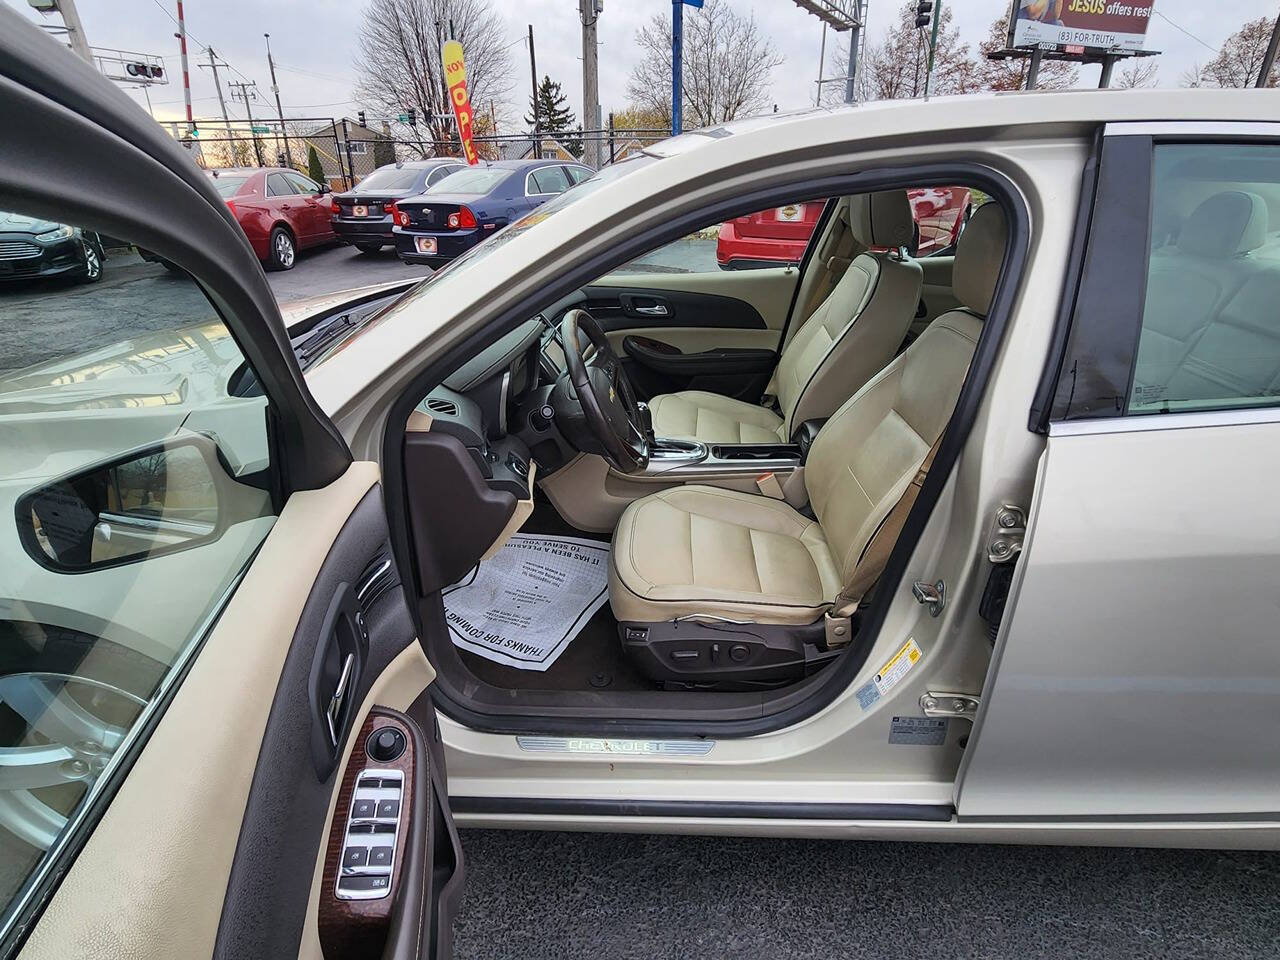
(1182, 29)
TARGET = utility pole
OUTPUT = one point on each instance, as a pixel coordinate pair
(75, 29)
(186, 71)
(822, 56)
(589, 10)
(533, 75)
(213, 65)
(275, 88)
(248, 112)
(933, 45)
(1269, 60)
(855, 38)
(677, 66)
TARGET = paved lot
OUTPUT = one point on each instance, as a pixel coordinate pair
(597, 896)
(328, 269)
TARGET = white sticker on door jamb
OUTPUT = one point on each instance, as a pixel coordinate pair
(523, 605)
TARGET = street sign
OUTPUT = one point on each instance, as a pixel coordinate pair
(403, 118)
(258, 129)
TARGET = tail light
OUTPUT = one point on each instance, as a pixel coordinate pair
(232, 207)
(398, 215)
(464, 219)
(334, 208)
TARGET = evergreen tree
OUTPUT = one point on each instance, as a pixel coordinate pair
(554, 114)
(314, 169)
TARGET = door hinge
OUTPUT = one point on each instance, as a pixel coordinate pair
(963, 706)
(1008, 528)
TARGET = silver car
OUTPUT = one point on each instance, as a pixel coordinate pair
(970, 546)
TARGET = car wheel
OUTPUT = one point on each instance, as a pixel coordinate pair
(67, 701)
(369, 247)
(283, 252)
(92, 272)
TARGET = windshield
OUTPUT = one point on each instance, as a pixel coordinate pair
(478, 181)
(391, 178)
(228, 186)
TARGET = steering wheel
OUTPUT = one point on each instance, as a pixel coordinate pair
(608, 403)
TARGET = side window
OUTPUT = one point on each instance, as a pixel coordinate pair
(1210, 336)
(940, 214)
(550, 180)
(773, 237)
(439, 173)
(278, 186)
(301, 184)
(578, 174)
(135, 488)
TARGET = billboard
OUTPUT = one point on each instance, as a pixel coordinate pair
(1095, 24)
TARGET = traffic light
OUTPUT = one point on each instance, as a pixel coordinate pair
(924, 13)
(413, 116)
(360, 117)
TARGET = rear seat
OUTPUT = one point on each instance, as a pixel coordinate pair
(1191, 282)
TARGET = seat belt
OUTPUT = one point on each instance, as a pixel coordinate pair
(876, 555)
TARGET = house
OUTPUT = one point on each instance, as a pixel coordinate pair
(523, 149)
(345, 138)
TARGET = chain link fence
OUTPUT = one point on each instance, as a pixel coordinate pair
(341, 152)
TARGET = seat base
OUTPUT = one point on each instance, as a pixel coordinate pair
(714, 655)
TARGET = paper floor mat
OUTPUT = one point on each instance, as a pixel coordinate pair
(524, 604)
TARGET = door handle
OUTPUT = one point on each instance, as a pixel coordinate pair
(657, 310)
(333, 713)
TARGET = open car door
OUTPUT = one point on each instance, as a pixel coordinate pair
(216, 739)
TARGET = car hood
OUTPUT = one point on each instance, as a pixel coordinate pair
(20, 223)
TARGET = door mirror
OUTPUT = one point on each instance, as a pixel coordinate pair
(324, 188)
(162, 499)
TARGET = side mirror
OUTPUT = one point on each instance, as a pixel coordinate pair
(324, 188)
(158, 500)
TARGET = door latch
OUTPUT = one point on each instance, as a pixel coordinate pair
(961, 706)
(932, 595)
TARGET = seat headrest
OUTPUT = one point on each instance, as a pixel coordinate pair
(979, 254)
(1226, 224)
(882, 219)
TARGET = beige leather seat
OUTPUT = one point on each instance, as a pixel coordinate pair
(698, 550)
(852, 334)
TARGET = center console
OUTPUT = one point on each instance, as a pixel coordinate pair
(678, 461)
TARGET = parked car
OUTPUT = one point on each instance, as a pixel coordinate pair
(32, 247)
(362, 216)
(467, 206)
(1008, 580)
(780, 234)
(279, 210)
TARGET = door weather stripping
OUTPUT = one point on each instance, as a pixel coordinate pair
(962, 706)
(932, 595)
(1004, 540)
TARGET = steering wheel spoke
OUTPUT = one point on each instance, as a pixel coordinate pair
(605, 394)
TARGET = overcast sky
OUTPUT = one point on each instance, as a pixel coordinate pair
(314, 44)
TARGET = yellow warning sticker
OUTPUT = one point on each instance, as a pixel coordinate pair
(897, 667)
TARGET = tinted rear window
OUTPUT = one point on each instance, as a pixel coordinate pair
(390, 178)
(228, 186)
(470, 181)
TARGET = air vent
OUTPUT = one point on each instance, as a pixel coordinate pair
(445, 408)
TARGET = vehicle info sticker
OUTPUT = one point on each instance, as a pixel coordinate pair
(890, 674)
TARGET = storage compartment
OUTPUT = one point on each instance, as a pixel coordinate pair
(739, 452)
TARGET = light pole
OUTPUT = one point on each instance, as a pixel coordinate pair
(275, 88)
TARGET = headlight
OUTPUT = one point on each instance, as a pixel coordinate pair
(61, 233)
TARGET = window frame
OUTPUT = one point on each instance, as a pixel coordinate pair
(276, 174)
(1100, 319)
(311, 187)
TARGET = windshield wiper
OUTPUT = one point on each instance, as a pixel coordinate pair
(314, 343)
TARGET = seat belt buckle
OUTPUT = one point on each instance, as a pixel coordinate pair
(770, 487)
(839, 630)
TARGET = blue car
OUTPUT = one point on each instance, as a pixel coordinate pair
(459, 211)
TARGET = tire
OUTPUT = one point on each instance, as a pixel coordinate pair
(92, 271)
(369, 248)
(282, 250)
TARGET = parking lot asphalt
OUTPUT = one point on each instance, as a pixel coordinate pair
(602, 896)
(339, 267)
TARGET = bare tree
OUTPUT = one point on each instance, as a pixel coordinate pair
(399, 64)
(1139, 72)
(1011, 74)
(895, 67)
(726, 67)
(1238, 61)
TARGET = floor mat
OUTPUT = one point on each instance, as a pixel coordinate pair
(523, 606)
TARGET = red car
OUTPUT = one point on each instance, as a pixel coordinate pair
(279, 210)
(779, 235)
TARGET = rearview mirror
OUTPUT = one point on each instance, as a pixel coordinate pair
(162, 499)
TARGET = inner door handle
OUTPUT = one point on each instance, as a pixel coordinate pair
(333, 713)
(657, 310)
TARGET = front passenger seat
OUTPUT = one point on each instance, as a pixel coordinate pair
(697, 551)
(846, 341)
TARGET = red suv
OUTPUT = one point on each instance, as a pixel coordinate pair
(780, 234)
(279, 210)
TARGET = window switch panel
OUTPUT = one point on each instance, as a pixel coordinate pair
(369, 850)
